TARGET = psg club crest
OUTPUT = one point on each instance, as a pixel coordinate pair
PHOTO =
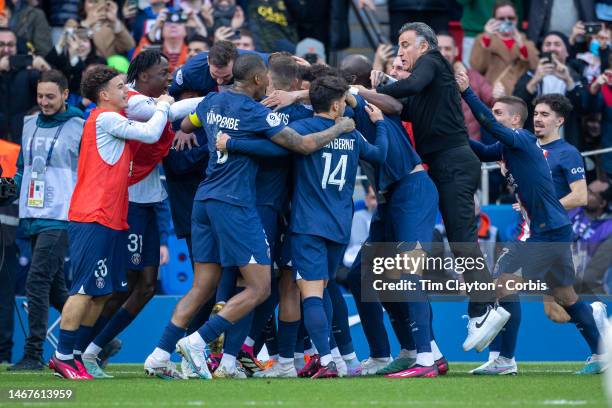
(100, 282)
(136, 259)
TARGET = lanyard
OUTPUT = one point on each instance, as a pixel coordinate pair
(50, 148)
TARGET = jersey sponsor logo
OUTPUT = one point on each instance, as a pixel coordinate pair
(341, 144)
(221, 121)
(577, 170)
(284, 118)
(273, 119)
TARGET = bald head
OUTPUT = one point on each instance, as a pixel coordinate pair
(359, 67)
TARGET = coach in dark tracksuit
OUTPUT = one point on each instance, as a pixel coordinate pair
(433, 104)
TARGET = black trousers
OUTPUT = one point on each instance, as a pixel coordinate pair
(456, 173)
(7, 301)
(45, 286)
(437, 20)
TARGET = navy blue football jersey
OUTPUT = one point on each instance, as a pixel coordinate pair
(566, 165)
(194, 75)
(528, 171)
(401, 158)
(272, 176)
(230, 177)
(322, 202)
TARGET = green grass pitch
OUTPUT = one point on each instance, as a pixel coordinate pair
(537, 385)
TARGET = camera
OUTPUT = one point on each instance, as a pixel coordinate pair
(387, 79)
(8, 188)
(311, 58)
(548, 57)
(223, 16)
(20, 61)
(592, 28)
(176, 17)
(506, 26)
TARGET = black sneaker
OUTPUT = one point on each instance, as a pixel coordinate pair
(27, 364)
(112, 348)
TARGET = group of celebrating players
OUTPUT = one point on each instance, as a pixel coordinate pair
(277, 190)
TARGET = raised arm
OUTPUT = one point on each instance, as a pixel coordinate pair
(376, 153)
(387, 104)
(280, 99)
(424, 72)
(149, 132)
(487, 153)
(292, 140)
(485, 117)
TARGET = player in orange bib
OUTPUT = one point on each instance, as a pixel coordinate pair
(110, 146)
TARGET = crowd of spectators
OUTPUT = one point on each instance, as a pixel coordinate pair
(522, 48)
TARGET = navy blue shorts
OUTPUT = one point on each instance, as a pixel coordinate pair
(546, 257)
(282, 257)
(227, 234)
(227, 284)
(270, 218)
(97, 256)
(143, 237)
(409, 215)
(314, 257)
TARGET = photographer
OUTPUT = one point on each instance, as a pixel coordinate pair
(502, 52)
(73, 53)
(49, 157)
(555, 73)
(599, 100)
(108, 32)
(19, 73)
(9, 264)
(557, 15)
(593, 49)
(222, 13)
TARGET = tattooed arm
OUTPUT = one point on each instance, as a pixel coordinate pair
(292, 140)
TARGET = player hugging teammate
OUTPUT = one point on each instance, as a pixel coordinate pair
(277, 189)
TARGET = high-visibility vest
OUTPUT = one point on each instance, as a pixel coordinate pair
(8, 157)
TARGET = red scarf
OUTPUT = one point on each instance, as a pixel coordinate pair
(606, 91)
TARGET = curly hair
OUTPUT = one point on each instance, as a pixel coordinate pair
(558, 103)
(95, 79)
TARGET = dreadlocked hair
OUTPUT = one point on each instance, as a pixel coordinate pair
(143, 61)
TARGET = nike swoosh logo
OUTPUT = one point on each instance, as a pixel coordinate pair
(123, 284)
(479, 325)
(406, 374)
